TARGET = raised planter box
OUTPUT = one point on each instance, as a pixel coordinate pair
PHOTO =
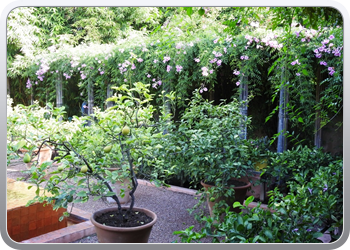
(38, 223)
(79, 226)
(27, 222)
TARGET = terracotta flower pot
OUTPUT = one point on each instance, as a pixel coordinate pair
(109, 234)
(240, 194)
(122, 184)
(257, 191)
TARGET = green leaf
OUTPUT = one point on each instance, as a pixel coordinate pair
(110, 194)
(236, 204)
(268, 233)
(255, 217)
(240, 220)
(82, 194)
(189, 11)
(249, 200)
(317, 235)
(300, 120)
(97, 198)
(20, 144)
(201, 11)
(240, 228)
(269, 222)
(305, 72)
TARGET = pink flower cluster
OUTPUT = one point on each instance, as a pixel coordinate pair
(295, 62)
(66, 76)
(324, 49)
(166, 59)
(251, 39)
(235, 72)
(178, 46)
(331, 70)
(156, 83)
(203, 88)
(214, 60)
(267, 41)
(42, 70)
(29, 84)
(178, 68)
(205, 71)
(124, 65)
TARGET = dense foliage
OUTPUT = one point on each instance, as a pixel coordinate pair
(179, 50)
(312, 207)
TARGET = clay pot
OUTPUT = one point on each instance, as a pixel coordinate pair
(122, 184)
(257, 191)
(108, 234)
(240, 194)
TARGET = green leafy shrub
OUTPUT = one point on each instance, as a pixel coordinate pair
(312, 208)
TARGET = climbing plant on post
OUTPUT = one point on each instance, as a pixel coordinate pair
(243, 96)
(109, 94)
(282, 114)
(59, 92)
(318, 120)
(90, 99)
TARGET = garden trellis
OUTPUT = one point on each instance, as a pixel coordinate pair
(181, 64)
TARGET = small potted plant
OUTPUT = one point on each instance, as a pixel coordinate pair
(85, 162)
(216, 154)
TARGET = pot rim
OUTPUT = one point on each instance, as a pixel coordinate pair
(123, 229)
(240, 187)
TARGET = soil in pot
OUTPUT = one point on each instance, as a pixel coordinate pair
(112, 219)
(124, 233)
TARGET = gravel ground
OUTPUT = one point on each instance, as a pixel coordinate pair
(170, 207)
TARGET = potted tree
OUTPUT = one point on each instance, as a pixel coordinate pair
(212, 145)
(117, 138)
